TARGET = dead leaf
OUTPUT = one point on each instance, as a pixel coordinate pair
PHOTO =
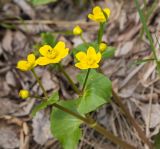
(9, 136)
(155, 114)
(26, 8)
(50, 82)
(41, 128)
(10, 79)
(7, 106)
(7, 41)
(125, 48)
(4, 88)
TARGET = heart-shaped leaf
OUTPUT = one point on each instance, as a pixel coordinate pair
(64, 126)
(97, 92)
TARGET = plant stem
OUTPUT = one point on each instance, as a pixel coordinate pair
(69, 79)
(84, 41)
(100, 32)
(143, 21)
(85, 81)
(89, 122)
(131, 119)
(40, 83)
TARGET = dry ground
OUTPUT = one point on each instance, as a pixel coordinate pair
(137, 84)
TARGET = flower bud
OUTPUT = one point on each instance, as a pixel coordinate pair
(102, 47)
(77, 30)
(23, 94)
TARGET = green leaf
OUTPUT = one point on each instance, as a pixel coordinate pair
(51, 100)
(109, 52)
(157, 141)
(41, 2)
(98, 91)
(48, 38)
(64, 126)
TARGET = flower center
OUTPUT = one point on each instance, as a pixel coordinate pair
(51, 53)
(100, 16)
(90, 61)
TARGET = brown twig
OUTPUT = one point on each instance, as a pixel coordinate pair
(131, 120)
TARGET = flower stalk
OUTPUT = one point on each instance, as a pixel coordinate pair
(75, 88)
(86, 78)
(82, 38)
(100, 32)
(40, 83)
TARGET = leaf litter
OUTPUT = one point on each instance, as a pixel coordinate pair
(136, 84)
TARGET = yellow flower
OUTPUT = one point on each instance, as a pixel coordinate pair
(98, 14)
(77, 30)
(102, 47)
(28, 64)
(89, 59)
(24, 94)
(52, 55)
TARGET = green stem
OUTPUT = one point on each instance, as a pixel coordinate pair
(131, 119)
(85, 81)
(92, 123)
(158, 62)
(75, 88)
(40, 83)
(143, 21)
(100, 32)
(84, 41)
(145, 4)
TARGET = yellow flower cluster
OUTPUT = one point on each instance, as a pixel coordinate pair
(28, 64)
(89, 59)
(99, 15)
(49, 56)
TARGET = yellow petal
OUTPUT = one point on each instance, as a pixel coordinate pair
(91, 52)
(45, 61)
(107, 11)
(81, 56)
(23, 65)
(60, 45)
(95, 65)
(44, 50)
(90, 16)
(96, 10)
(62, 53)
(81, 65)
(98, 57)
(31, 58)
